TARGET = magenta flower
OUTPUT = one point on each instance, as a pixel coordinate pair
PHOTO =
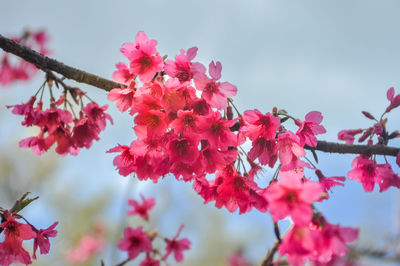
(259, 125)
(177, 246)
(290, 150)
(123, 74)
(42, 239)
(124, 98)
(135, 241)
(290, 196)
(217, 131)
(15, 233)
(214, 92)
(141, 209)
(309, 128)
(298, 244)
(265, 151)
(143, 56)
(328, 182)
(368, 173)
(182, 68)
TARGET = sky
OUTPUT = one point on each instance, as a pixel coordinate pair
(336, 57)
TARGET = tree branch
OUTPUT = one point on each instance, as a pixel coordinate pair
(48, 64)
(333, 147)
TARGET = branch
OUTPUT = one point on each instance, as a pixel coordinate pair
(48, 64)
(333, 147)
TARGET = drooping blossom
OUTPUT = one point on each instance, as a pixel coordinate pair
(264, 150)
(42, 239)
(143, 56)
(348, 135)
(309, 128)
(135, 241)
(141, 209)
(330, 240)
(291, 196)
(177, 246)
(369, 173)
(297, 244)
(214, 92)
(328, 182)
(11, 249)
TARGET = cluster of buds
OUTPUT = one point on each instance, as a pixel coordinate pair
(58, 124)
(16, 69)
(137, 241)
(15, 233)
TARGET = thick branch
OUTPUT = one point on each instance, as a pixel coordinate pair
(333, 147)
(48, 64)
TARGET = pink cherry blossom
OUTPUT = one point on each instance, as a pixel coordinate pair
(214, 92)
(291, 196)
(289, 150)
(182, 68)
(143, 56)
(135, 241)
(217, 131)
(11, 249)
(124, 98)
(328, 182)
(177, 246)
(298, 244)
(141, 209)
(368, 173)
(309, 128)
(87, 246)
(123, 74)
(149, 261)
(259, 125)
(42, 239)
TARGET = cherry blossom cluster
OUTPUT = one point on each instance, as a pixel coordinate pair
(185, 126)
(14, 69)
(58, 125)
(137, 241)
(365, 168)
(15, 233)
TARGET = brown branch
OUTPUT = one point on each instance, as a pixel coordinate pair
(48, 64)
(268, 260)
(333, 147)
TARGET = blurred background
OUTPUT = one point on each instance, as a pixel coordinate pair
(335, 57)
